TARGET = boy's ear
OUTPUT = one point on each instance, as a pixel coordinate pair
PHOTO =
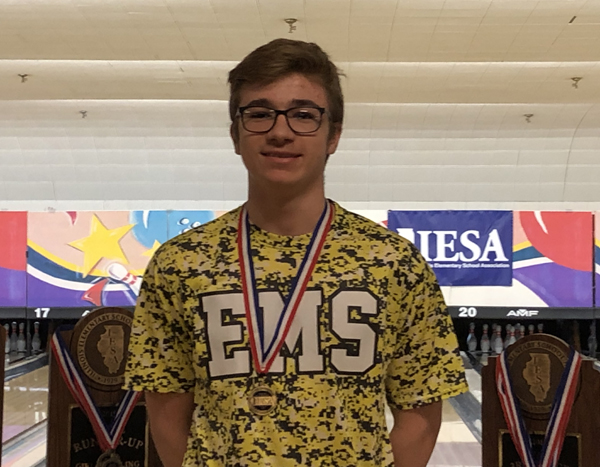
(234, 132)
(334, 138)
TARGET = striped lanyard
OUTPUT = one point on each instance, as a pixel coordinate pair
(264, 353)
(108, 435)
(559, 417)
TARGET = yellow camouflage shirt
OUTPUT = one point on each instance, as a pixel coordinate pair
(372, 327)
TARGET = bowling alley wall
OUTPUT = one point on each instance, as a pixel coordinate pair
(63, 264)
(51, 262)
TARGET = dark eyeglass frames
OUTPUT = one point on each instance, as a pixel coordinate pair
(301, 120)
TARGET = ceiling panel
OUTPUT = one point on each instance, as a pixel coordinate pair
(366, 30)
(448, 100)
(381, 82)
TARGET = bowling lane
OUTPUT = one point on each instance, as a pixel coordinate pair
(25, 402)
(456, 446)
(28, 451)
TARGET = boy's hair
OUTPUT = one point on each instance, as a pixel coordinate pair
(282, 57)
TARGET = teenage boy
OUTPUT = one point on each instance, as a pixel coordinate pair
(275, 334)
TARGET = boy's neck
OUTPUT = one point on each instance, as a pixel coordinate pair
(291, 215)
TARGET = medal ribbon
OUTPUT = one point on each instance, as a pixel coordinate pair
(264, 358)
(559, 417)
(108, 435)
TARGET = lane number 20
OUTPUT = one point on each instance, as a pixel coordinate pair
(467, 312)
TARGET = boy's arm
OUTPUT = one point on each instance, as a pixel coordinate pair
(170, 420)
(414, 434)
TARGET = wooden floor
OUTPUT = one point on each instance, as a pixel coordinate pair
(26, 403)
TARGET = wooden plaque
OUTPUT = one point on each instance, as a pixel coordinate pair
(536, 363)
(98, 346)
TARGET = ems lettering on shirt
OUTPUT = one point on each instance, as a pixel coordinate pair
(264, 353)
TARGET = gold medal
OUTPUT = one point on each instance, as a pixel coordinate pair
(262, 400)
(109, 459)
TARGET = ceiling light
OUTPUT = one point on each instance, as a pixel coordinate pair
(290, 22)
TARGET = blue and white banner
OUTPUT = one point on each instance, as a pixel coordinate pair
(464, 248)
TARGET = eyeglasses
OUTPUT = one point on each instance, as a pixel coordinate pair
(301, 120)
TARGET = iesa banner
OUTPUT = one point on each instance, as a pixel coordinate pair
(463, 247)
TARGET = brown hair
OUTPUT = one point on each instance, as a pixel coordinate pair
(282, 57)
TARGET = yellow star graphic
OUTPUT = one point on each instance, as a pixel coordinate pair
(152, 250)
(101, 243)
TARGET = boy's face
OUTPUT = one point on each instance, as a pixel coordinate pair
(280, 157)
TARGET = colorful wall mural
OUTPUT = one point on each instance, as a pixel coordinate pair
(552, 264)
(13, 259)
(552, 256)
(597, 257)
(86, 258)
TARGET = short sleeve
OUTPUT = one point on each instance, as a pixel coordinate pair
(160, 346)
(426, 365)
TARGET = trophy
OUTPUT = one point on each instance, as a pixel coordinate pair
(92, 422)
(540, 406)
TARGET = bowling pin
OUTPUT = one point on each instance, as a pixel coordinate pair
(517, 331)
(36, 342)
(498, 347)
(21, 343)
(7, 343)
(540, 328)
(522, 330)
(485, 340)
(507, 336)
(493, 336)
(592, 341)
(531, 328)
(13, 337)
(511, 337)
(471, 339)
(119, 273)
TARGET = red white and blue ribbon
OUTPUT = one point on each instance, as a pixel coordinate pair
(264, 353)
(559, 417)
(108, 435)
